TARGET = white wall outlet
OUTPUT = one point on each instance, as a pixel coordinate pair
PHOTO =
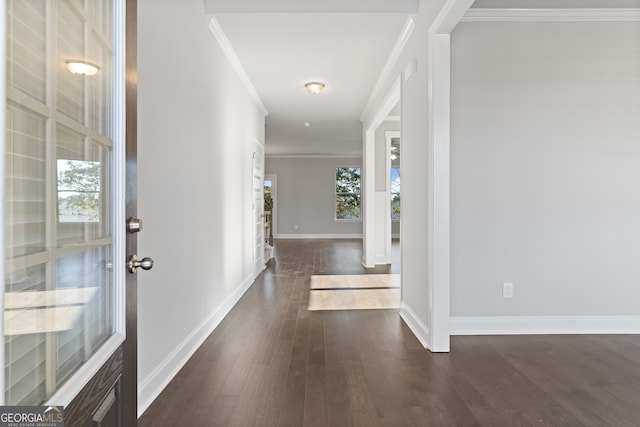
(295, 227)
(507, 290)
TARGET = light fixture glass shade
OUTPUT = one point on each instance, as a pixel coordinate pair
(314, 88)
(82, 67)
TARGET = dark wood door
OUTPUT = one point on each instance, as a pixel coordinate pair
(70, 308)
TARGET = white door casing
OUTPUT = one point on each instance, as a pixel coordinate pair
(258, 205)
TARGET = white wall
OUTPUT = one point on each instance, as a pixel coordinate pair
(382, 175)
(416, 302)
(546, 169)
(306, 196)
(196, 126)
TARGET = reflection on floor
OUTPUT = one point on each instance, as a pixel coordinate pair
(354, 292)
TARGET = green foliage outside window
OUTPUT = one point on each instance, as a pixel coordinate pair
(78, 191)
(348, 193)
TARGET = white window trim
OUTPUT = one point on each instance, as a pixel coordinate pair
(335, 196)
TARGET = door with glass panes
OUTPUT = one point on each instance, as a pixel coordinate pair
(67, 137)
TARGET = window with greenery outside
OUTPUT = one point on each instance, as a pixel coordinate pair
(348, 193)
(395, 193)
(78, 190)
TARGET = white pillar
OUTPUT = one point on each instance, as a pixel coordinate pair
(368, 199)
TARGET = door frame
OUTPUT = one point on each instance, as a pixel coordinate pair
(257, 208)
(439, 183)
(274, 196)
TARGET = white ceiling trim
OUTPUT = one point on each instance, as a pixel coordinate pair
(312, 156)
(401, 42)
(325, 6)
(552, 15)
(219, 34)
(450, 14)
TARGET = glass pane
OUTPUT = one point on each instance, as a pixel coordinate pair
(26, 47)
(347, 180)
(348, 206)
(81, 170)
(100, 87)
(395, 193)
(86, 282)
(59, 283)
(25, 373)
(70, 38)
(25, 222)
(100, 11)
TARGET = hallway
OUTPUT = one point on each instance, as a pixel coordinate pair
(272, 362)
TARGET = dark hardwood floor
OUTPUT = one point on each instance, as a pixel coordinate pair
(272, 362)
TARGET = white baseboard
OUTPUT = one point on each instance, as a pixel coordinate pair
(318, 236)
(417, 326)
(530, 325)
(151, 387)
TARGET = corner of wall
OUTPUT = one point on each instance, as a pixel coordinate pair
(417, 326)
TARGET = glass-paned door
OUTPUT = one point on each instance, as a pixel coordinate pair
(58, 230)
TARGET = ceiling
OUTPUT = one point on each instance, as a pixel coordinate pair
(282, 44)
(281, 52)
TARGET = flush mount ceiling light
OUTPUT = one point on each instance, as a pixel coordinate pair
(82, 67)
(314, 88)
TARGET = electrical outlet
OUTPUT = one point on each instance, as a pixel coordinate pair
(507, 290)
(295, 227)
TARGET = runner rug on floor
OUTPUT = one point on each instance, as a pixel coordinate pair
(354, 292)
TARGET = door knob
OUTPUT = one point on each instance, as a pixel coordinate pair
(135, 263)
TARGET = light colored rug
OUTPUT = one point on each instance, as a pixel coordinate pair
(355, 292)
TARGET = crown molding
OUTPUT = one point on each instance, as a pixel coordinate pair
(298, 6)
(228, 50)
(552, 15)
(398, 47)
(313, 156)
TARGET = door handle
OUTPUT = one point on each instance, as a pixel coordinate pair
(135, 263)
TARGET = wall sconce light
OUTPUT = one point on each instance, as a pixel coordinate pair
(82, 67)
(314, 88)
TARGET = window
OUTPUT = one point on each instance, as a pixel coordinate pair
(348, 193)
(395, 193)
(78, 191)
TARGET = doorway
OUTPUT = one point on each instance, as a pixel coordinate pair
(270, 208)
